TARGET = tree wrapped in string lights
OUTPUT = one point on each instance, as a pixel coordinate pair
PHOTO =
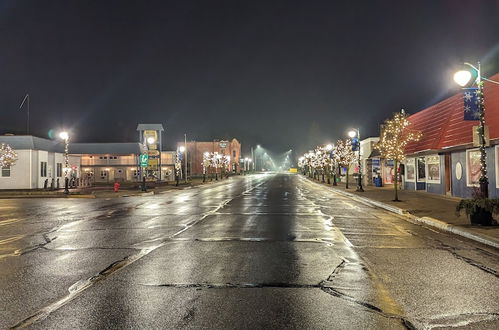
(207, 162)
(7, 156)
(394, 136)
(344, 156)
(224, 166)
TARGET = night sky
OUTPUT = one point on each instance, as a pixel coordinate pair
(284, 74)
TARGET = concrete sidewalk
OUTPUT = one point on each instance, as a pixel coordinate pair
(430, 209)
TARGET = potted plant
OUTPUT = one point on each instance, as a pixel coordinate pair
(479, 209)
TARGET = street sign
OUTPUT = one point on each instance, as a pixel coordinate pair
(143, 158)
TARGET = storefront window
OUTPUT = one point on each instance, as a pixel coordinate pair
(388, 172)
(421, 169)
(433, 168)
(496, 164)
(473, 167)
(410, 170)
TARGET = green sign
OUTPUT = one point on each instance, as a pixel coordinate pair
(143, 158)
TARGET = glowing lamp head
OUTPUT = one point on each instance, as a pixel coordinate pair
(151, 140)
(462, 78)
(181, 149)
(352, 134)
(64, 135)
(329, 147)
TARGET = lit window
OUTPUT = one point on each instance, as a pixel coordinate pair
(410, 170)
(472, 167)
(433, 163)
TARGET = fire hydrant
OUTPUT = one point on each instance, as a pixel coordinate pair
(116, 187)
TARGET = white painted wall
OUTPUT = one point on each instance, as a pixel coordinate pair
(26, 172)
(19, 173)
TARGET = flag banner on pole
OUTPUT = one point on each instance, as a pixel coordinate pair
(471, 109)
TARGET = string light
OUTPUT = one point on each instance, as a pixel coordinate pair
(7, 156)
(395, 136)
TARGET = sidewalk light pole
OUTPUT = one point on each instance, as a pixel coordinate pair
(352, 134)
(463, 78)
(65, 136)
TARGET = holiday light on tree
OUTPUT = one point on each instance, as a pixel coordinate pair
(7, 156)
(344, 155)
(395, 135)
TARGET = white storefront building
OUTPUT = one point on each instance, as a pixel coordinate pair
(39, 163)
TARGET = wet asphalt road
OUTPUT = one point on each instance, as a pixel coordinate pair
(254, 252)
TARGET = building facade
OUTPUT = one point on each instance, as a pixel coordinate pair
(196, 150)
(446, 160)
(39, 164)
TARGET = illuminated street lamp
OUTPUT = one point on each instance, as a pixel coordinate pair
(463, 78)
(352, 134)
(65, 137)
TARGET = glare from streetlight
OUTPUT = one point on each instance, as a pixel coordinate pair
(64, 135)
(352, 134)
(462, 78)
(181, 149)
(151, 140)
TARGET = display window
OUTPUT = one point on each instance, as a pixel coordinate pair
(410, 170)
(472, 167)
(433, 169)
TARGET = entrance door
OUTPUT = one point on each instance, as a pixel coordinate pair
(448, 174)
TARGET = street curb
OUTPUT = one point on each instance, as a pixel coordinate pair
(46, 196)
(81, 196)
(428, 221)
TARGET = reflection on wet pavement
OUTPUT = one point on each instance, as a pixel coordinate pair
(260, 251)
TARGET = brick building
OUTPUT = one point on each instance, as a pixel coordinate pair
(195, 151)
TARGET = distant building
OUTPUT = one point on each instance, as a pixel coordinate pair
(195, 151)
(40, 161)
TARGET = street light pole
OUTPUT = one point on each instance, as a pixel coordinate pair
(484, 180)
(352, 134)
(65, 136)
(462, 78)
(185, 155)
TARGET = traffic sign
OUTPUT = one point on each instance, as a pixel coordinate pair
(143, 158)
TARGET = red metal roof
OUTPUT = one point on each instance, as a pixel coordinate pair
(443, 126)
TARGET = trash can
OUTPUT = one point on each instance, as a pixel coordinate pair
(378, 182)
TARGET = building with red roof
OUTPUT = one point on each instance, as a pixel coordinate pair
(445, 161)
